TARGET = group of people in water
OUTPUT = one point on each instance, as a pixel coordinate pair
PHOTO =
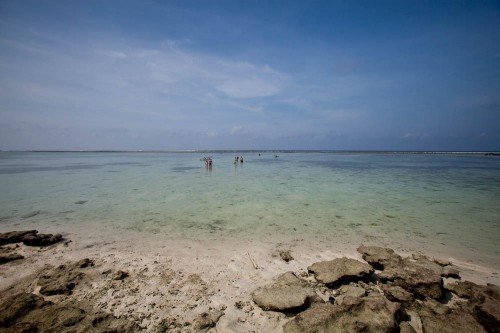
(238, 159)
(208, 161)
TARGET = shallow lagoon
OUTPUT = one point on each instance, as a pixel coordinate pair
(437, 203)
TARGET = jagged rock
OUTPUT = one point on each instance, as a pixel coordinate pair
(340, 270)
(419, 275)
(41, 239)
(7, 255)
(28, 313)
(488, 314)
(62, 279)
(206, 320)
(29, 237)
(62, 316)
(438, 318)
(419, 281)
(82, 263)
(347, 292)
(484, 302)
(476, 293)
(118, 275)
(354, 317)
(286, 255)
(442, 270)
(104, 322)
(379, 257)
(287, 293)
(12, 237)
(14, 307)
(397, 294)
(405, 327)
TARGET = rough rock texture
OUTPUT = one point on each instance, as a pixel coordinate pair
(405, 327)
(62, 279)
(436, 317)
(340, 270)
(286, 294)
(484, 302)
(379, 257)
(118, 275)
(401, 300)
(285, 255)
(41, 239)
(26, 312)
(15, 236)
(29, 237)
(7, 255)
(419, 281)
(206, 320)
(397, 294)
(438, 268)
(17, 306)
(421, 276)
(349, 292)
(367, 314)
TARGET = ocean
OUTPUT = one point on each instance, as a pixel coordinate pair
(438, 203)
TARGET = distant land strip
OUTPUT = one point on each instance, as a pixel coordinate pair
(281, 151)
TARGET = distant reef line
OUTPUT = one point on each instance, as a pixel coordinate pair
(271, 151)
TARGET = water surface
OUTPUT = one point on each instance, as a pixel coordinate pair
(448, 203)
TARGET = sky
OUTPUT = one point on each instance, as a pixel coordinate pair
(178, 75)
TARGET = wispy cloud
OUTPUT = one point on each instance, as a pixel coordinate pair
(235, 130)
(418, 136)
(178, 77)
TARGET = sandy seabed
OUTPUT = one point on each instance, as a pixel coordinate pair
(166, 284)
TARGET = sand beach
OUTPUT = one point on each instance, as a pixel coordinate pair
(179, 285)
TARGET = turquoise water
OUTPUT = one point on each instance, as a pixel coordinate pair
(446, 202)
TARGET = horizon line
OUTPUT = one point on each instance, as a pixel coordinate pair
(339, 151)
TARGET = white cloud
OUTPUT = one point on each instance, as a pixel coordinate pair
(247, 88)
(235, 130)
(410, 135)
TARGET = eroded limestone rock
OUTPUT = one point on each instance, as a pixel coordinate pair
(373, 313)
(287, 293)
(340, 270)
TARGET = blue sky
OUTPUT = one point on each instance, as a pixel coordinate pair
(173, 75)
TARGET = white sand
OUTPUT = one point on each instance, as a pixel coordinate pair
(174, 280)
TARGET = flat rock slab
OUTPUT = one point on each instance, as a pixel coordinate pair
(287, 293)
(340, 270)
(282, 298)
(379, 257)
(368, 314)
(348, 292)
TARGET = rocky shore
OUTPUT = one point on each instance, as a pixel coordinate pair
(382, 292)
